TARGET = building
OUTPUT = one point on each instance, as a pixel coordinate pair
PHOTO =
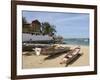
(33, 33)
(34, 27)
(26, 28)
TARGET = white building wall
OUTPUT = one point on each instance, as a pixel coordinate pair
(28, 37)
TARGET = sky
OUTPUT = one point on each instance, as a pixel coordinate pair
(68, 25)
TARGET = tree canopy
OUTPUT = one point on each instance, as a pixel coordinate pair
(47, 28)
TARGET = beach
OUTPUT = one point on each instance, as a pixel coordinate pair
(34, 61)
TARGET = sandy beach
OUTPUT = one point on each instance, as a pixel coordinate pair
(34, 61)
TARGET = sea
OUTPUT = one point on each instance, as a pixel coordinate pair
(77, 41)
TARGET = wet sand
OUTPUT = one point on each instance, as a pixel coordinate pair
(34, 61)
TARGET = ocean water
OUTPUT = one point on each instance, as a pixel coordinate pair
(77, 41)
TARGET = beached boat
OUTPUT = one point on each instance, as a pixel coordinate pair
(46, 49)
(71, 55)
(30, 46)
(53, 51)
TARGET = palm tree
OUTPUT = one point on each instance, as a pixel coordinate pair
(48, 29)
(24, 21)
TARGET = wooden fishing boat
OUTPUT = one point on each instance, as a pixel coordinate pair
(46, 49)
(53, 51)
(71, 55)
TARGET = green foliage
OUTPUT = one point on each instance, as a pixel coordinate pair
(47, 28)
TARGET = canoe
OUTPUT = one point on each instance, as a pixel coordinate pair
(53, 51)
(71, 55)
(46, 49)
